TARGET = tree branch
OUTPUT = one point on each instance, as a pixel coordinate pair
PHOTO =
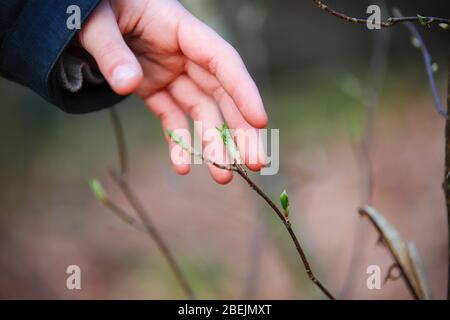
(428, 65)
(395, 256)
(120, 140)
(447, 173)
(146, 223)
(152, 231)
(427, 20)
(240, 170)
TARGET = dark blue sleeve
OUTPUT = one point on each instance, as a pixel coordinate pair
(33, 35)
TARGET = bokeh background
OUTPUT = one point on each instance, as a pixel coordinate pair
(312, 70)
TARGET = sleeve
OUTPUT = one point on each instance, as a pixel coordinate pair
(33, 37)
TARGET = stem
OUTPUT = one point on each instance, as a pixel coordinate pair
(153, 232)
(376, 73)
(120, 140)
(148, 226)
(383, 238)
(386, 24)
(428, 65)
(447, 173)
(288, 226)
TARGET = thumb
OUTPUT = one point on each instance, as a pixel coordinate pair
(101, 37)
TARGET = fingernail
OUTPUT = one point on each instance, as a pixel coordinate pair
(122, 75)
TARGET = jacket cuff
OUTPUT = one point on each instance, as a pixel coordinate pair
(31, 50)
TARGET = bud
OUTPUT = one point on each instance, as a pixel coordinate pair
(444, 26)
(97, 190)
(423, 20)
(179, 141)
(284, 200)
(228, 141)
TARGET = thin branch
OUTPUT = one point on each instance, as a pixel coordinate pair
(123, 215)
(376, 73)
(428, 65)
(288, 226)
(446, 183)
(147, 224)
(386, 24)
(239, 169)
(384, 239)
(152, 231)
(407, 21)
(120, 140)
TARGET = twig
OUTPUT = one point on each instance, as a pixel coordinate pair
(120, 140)
(123, 215)
(428, 65)
(363, 212)
(447, 172)
(407, 21)
(152, 231)
(147, 225)
(386, 24)
(239, 169)
(376, 72)
(288, 226)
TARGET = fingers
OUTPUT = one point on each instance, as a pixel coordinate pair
(172, 118)
(101, 37)
(247, 137)
(204, 111)
(206, 48)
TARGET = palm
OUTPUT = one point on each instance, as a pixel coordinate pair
(184, 68)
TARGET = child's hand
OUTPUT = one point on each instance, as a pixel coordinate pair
(176, 64)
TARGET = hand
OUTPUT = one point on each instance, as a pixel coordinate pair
(157, 50)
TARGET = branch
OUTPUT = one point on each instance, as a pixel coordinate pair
(145, 224)
(240, 170)
(376, 72)
(152, 231)
(120, 140)
(446, 183)
(428, 65)
(424, 20)
(404, 254)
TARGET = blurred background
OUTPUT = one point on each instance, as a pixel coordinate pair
(313, 73)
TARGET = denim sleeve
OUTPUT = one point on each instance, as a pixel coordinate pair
(33, 35)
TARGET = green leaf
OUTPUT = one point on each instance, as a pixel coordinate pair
(284, 200)
(228, 141)
(179, 140)
(423, 20)
(97, 190)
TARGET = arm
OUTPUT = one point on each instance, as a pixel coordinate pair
(33, 36)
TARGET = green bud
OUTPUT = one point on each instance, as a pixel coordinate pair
(97, 190)
(228, 141)
(423, 20)
(444, 26)
(179, 140)
(284, 200)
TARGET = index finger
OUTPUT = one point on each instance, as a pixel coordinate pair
(205, 47)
